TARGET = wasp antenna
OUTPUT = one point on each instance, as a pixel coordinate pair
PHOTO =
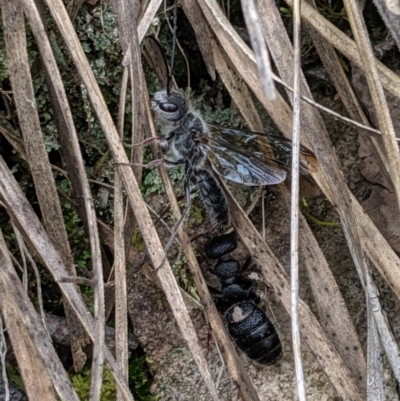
(169, 84)
(175, 28)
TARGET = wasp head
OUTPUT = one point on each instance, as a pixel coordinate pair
(171, 107)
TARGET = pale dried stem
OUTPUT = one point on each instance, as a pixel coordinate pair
(23, 257)
(121, 314)
(259, 47)
(147, 18)
(25, 253)
(294, 209)
(3, 353)
(329, 111)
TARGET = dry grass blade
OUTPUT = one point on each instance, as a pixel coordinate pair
(333, 314)
(374, 83)
(384, 329)
(147, 18)
(260, 48)
(134, 196)
(393, 6)
(375, 385)
(365, 127)
(3, 353)
(346, 46)
(126, 18)
(39, 364)
(45, 187)
(391, 19)
(294, 205)
(26, 255)
(127, 26)
(24, 217)
(128, 36)
(156, 59)
(121, 313)
(375, 389)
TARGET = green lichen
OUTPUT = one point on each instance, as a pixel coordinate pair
(81, 383)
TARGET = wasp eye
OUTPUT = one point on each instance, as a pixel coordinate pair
(168, 107)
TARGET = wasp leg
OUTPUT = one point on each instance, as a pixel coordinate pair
(152, 164)
(155, 163)
(145, 142)
(173, 163)
(188, 204)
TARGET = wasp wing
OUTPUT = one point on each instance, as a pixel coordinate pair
(238, 162)
(238, 157)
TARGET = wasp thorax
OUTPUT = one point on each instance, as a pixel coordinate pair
(171, 108)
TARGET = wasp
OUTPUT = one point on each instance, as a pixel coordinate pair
(206, 151)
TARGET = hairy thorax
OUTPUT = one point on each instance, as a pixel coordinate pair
(184, 139)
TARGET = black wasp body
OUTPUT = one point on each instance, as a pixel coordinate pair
(205, 150)
(251, 329)
(235, 155)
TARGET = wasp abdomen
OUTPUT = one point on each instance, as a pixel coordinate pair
(254, 333)
(249, 326)
(220, 246)
(244, 318)
(213, 199)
